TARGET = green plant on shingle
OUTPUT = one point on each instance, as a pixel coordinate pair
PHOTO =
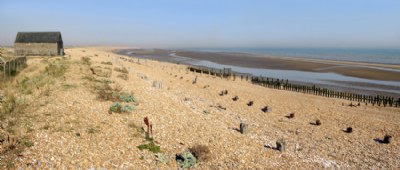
(68, 86)
(160, 157)
(151, 146)
(91, 130)
(127, 108)
(127, 97)
(28, 143)
(186, 159)
(116, 107)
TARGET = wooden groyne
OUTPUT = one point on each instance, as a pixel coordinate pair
(282, 84)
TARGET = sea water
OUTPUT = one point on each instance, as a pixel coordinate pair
(385, 56)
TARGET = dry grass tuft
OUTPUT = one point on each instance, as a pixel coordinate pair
(10, 105)
(107, 63)
(123, 76)
(201, 152)
(121, 70)
(106, 92)
(86, 60)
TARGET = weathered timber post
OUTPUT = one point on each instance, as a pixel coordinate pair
(243, 128)
(386, 139)
(280, 145)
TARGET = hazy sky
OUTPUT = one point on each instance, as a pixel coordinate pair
(208, 23)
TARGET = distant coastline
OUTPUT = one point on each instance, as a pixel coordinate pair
(365, 77)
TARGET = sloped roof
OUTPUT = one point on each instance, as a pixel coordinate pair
(38, 37)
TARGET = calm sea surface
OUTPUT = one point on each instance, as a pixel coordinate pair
(387, 56)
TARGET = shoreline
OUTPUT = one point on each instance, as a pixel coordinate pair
(352, 69)
(367, 70)
(301, 71)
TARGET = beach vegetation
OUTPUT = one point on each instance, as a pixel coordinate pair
(150, 143)
(160, 157)
(52, 70)
(91, 130)
(186, 159)
(138, 130)
(105, 74)
(45, 91)
(89, 78)
(123, 76)
(151, 146)
(26, 142)
(10, 148)
(127, 97)
(115, 108)
(8, 104)
(107, 63)
(68, 86)
(107, 81)
(86, 61)
(119, 108)
(121, 70)
(56, 68)
(25, 86)
(201, 152)
(106, 92)
(46, 126)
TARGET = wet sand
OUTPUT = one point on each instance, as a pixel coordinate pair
(371, 71)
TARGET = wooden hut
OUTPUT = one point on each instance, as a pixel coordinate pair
(38, 43)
